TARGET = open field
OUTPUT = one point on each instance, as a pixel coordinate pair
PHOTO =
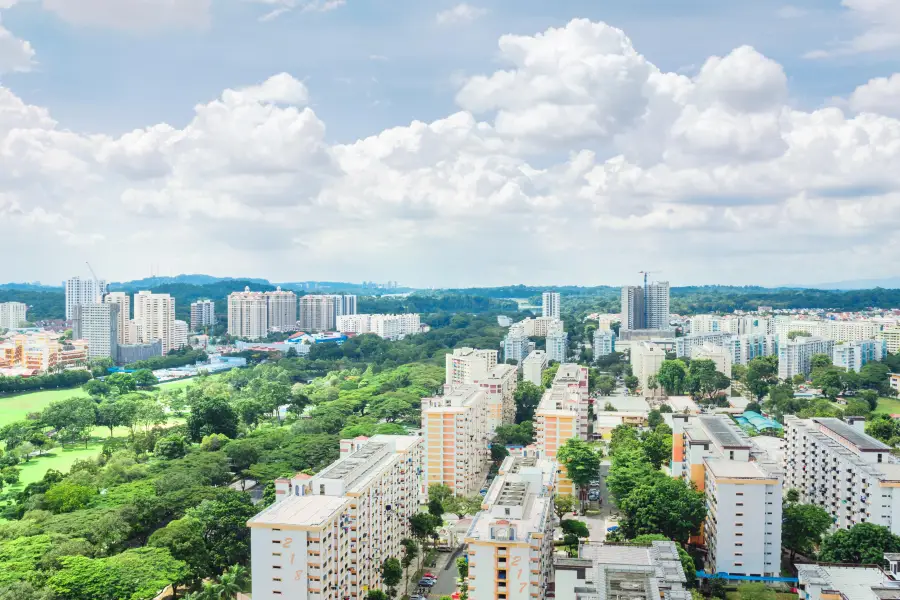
(890, 406)
(58, 458)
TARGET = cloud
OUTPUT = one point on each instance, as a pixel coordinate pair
(789, 11)
(15, 54)
(461, 13)
(880, 24)
(881, 96)
(577, 145)
(286, 6)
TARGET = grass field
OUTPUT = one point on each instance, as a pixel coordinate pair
(890, 406)
(58, 458)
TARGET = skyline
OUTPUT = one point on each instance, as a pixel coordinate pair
(544, 146)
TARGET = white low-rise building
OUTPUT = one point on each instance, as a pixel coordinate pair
(845, 582)
(836, 465)
(510, 542)
(389, 327)
(326, 537)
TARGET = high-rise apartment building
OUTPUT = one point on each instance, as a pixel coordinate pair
(743, 486)
(326, 536)
(742, 348)
(853, 356)
(468, 365)
(12, 314)
(248, 314)
(203, 314)
(98, 324)
(180, 334)
(499, 389)
(348, 305)
(510, 542)
(319, 313)
(154, 315)
(837, 466)
(82, 291)
(124, 302)
(516, 344)
(558, 419)
(550, 305)
(533, 367)
(795, 356)
(455, 427)
(282, 310)
(645, 307)
(557, 343)
(604, 342)
(646, 360)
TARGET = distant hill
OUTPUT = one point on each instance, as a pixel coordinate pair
(887, 283)
(30, 287)
(186, 279)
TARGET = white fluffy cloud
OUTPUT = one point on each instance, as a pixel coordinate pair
(15, 54)
(579, 160)
(461, 13)
(879, 21)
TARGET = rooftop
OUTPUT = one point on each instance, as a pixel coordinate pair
(724, 432)
(308, 511)
(735, 469)
(863, 442)
(855, 583)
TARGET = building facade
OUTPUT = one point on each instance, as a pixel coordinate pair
(795, 356)
(180, 336)
(154, 315)
(468, 365)
(326, 536)
(516, 345)
(558, 418)
(124, 325)
(891, 338)
(646, 360)
(550, 305)
(98, 325)
(389, 327)
(281, 308)
(499, 388)
(203, 314)
(510, 542)
(318, 312)
(853, 356)
(533, 367)
(12, 314)
(837, 466)
(604, 342)
(82, 291)
(557, 343)
(645, 308)
(455, 427)
(248, 314)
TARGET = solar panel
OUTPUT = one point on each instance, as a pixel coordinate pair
(724, 434)
(851, 434)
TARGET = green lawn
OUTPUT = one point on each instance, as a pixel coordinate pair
(890, 406)
(58, 458)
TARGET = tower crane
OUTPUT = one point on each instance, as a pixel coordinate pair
(100, 291)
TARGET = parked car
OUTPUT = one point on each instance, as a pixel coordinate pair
(425, 582)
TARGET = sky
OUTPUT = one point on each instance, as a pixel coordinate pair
(447, 144)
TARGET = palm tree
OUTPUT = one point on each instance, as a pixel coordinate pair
(231, 583)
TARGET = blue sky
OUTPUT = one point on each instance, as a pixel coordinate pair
(722, 142)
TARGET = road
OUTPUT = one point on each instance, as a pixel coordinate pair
(446, 583)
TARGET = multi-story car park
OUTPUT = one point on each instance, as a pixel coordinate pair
(326, 538)
(835, 465)
(511, 539)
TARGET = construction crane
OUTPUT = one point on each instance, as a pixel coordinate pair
(100, 291)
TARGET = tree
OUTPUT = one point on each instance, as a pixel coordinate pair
(549, 375)
(96, 388)
(564, 504)
(527, 398)
(376, 595)
(423, 526)
(121, 383)
(576, 528)
(654, 418)
(250, 411)
(828, 379)
(762, 373)
(232, 582)
(582, 462)
(391, 574)
(792, 495)
(705, 381)
(183, 538)
(870, 397)
(605, 385)
(663, 505)
(223, 523)
(657, 446)
(72, 418)
(631, 382)
(212, 415)
(864, 543)
(856, 408)
(439, 492)
(671, 377)
(652, 384)
(462, 567)
(171, 447)
(622, 435)
(803, 526)
(144, 378)
(754, 407)
(462, 506)
(498, 453)
(820, 361)
(881, 426)
(410, 551)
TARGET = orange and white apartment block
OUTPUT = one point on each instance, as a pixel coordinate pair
(510, 542)
(456, 432)
(558, 420)
(326, 536)
(42, 352)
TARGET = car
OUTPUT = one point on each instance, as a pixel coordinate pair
(427, 575)
(593, 496)
(426, 582)
(417, 597)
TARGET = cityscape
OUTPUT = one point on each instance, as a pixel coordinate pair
(483, 300)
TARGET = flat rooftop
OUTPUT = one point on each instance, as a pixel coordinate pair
(735, 469)
(863, 442)
(724, 432)
(305, 511)
(855, 583)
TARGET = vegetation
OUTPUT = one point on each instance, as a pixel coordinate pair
(864, 543)
(175, 358)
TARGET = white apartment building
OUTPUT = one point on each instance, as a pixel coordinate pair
(468, 365)
(615, 572)
(558, 418)
(389, 327)
(155, 318)
(574, 378)
(557, 344)
(533, 367)
(891, 337)
(645, 308)
(281, 309)
(248, 314)
(838, 331)
(795, 356)
(540, 326)
(203, 314)
(12, 314)
(180, 335)
(510, 542)
(854, 355)
(835, 465)
(604, 342)
(455, 426)
(733, 324)
(124, 325)
(516, 345)
(685, 345)
(550, 305)
(743, 486)
(348, 305)
(746, 347)
(646, 360)
(82, 291)
(327, 537)
(720, 356)
(499, 388)
(98, 324)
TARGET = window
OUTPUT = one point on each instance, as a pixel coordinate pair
(276, 566)
(276, 541)
(321, 489)
(739, 524)
(739, 514)
(739, 534)
(739, 544)
(739, 494)
(739, 504)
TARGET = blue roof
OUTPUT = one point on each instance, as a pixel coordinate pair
(760, 422)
